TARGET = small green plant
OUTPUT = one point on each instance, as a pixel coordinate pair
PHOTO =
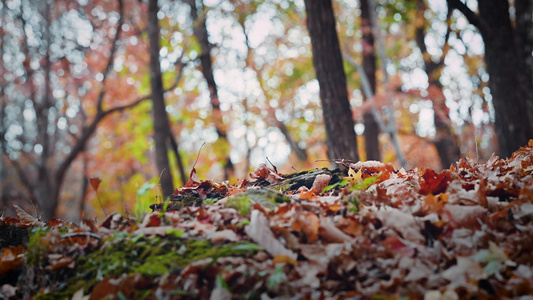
(142, 203)
(336, 185)
(210, 201)
(367, 182)
(353, 199)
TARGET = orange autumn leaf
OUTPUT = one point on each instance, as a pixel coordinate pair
(434, 203)
(307, 223)
(11, 258)
(307, 194)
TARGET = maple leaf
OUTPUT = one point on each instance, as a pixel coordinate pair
(434, 183)
(354, 177)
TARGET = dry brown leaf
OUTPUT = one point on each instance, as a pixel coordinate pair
(259, 231)
(224, 235)
(26, 219)
(321, 182)
(331, 233)
(401, 222)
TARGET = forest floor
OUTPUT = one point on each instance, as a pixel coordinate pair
(364, 232)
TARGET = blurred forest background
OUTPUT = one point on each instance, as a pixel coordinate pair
(127, 91)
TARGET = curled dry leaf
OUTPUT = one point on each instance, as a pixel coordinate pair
(225, 235)
(26, 219)
(259, 231)
(321, 182)
(266, 173)
(329, 232)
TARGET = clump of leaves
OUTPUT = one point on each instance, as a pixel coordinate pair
(380, 228)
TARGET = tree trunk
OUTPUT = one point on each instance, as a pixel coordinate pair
(200, 31)
(369, 65)
(524, 42)
(161, 124)
(48, 198)
(524, 34)
(3, 115)
(445, 140)
(508, 84)
(327, 59)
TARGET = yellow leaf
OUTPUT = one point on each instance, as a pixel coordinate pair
(354, 177)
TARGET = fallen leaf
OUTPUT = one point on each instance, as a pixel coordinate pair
(434, 183)
(10, 258)
(259, 231)
(26, 219)
(321, 182)
(403, 223)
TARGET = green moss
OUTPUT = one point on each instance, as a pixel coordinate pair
(150, 257)
(36, 249)
(268, 198)
(284, 187)
(241, 203)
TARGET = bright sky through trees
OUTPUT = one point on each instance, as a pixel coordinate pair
(265, 25)
(263, 68)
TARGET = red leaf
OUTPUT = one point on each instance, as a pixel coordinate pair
(95, 182)
(433, 183)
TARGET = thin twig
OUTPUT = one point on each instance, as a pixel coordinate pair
(76, 234)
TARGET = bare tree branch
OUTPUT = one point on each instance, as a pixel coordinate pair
(88, 131)
(172, 139)
(391, 128)
(300, 153)
(471, 16)
(109, 65)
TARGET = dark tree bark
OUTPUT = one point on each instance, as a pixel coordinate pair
(524, 42)
(369, 65)
(524, 34)
(327, 59)
(445, 140)
(200, 31)
(45, 186)
(161, 123)
(508, 82)
(3, 129)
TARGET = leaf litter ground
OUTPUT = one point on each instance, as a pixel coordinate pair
(367, 232)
